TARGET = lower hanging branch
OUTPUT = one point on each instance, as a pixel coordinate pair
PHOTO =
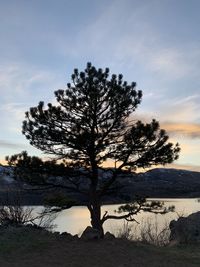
(127, 217)
(139, 204)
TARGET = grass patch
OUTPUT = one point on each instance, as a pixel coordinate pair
(21, 239)
(32, 247)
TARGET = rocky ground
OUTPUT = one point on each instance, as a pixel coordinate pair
(37, 248)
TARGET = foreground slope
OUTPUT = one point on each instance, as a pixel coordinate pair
(25, 247)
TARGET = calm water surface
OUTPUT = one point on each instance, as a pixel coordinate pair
(76, 219)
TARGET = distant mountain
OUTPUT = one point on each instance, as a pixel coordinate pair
(160, 182)
(169, 183)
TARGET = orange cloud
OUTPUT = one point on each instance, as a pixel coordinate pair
(191, 130)
(3, 162)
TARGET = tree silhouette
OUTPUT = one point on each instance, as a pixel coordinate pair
(91, 123)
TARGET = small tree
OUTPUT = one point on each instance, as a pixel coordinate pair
(91, 123)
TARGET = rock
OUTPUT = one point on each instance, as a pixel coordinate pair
(109, 236)
(67, 235)
(56, 233)
(90, 234)
(186, 229)
(75, 237)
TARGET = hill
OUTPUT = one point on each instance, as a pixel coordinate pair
(163, 182)
(160, 182)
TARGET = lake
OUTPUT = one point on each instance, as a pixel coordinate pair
(76, 219)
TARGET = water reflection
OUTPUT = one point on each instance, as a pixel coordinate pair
(76, 219)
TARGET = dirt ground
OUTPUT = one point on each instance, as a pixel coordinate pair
(37, 249)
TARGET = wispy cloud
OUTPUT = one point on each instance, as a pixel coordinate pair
(10, 145)
(182, 110)
(22, 81)
(123, 36)
(14, 110)
(179, 109)
(21, 86)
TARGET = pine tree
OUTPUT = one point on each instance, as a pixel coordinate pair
(91, 123)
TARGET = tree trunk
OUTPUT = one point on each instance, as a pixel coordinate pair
(95, 212)
(96, 219)
(94, 201)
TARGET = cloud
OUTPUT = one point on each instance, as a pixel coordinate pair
(124, 36)
(118, 34)
(15, 110)
(10, 145)
(179, 117)
(21, 81)
(179, 110)
(23, 86)
(190, 130)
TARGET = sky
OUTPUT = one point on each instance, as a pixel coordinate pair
(155, 43)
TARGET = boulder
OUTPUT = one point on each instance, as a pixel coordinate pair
(186, 229)
(90, 234)
(75, 237)
(67, 236)
(109, 236)
(56, 233)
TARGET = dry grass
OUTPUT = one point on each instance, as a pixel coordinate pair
(148, 232)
